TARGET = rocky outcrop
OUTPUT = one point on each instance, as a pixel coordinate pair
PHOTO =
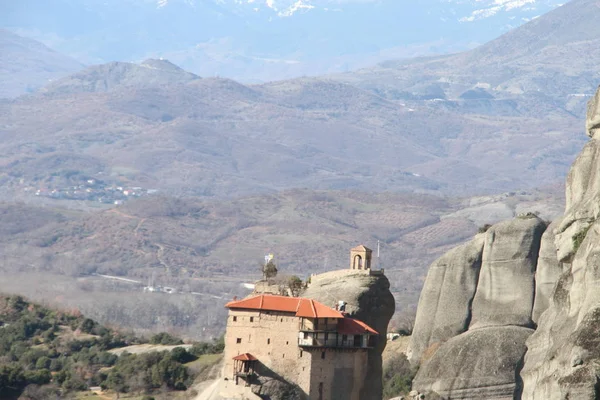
(547, 273)
(564, 353)
(549, 283)
(445, 302)
(482, 295)
(368, 298)
(478, 364)
(505, 290)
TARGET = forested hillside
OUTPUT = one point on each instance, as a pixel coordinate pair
(46, 354)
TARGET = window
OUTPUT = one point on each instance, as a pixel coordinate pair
(301, 357)
(234, 319)
(344, 338)
(251, 319)
(281, 319)
(322, 355)
(238, 340)
(269, 341)
(283, 356)
(287, 342)
(305, 335)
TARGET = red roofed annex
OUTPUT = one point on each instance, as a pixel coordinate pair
(316, 347)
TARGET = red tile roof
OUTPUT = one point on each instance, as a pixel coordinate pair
(309, 308)
(299, 306)
(245, 357)
(351, 326)
(302, 307)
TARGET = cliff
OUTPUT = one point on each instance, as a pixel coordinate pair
(564, 353)
(515, 313)
(368, 298)
(481, 296)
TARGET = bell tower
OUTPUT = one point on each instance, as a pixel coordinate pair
(360, 258)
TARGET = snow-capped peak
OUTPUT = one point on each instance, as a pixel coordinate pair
(495, 6)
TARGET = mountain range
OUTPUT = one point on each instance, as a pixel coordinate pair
(500, 117)
(264, 40)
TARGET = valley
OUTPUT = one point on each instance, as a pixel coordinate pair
(206, 250)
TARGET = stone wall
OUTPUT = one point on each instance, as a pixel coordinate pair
(341, 373)
(272, 337)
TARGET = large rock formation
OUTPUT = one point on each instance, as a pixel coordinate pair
(486, 315)
(526, 280)
(564, 353)
(547, 273)
(478, 364)
(505, 290)
(445, 303)
(368, 299)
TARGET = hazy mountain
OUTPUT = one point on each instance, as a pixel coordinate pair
(501, 117)
(546, 64)
(26, 65)
(102, 78)
(264, 40)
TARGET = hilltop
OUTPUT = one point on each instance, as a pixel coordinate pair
(26, 65)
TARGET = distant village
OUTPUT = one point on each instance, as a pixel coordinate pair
(90, 190)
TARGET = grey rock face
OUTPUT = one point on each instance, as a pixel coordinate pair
(592, 123)
(563, 353)
(477, 364)
(565, 349)
(475, 312)
(445, 302)
(505, 291)
(547, 272)
(368, 299)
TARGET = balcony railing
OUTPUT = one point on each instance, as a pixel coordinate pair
(334, 342)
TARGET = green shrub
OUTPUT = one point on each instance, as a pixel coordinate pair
(38, 377)
(181, 355)
(43, 363)
(484, 228)
(201, 348)
(165, 339)
(579, 237)
(397, 377)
